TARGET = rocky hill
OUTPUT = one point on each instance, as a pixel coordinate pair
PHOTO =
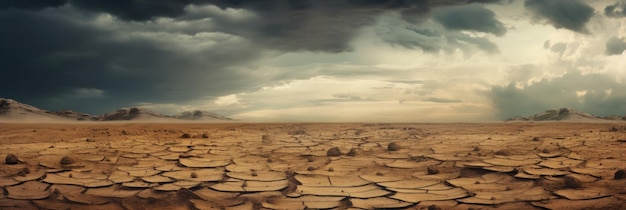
(11, 110)
(200, 115)
(564, 114)
(139, 114)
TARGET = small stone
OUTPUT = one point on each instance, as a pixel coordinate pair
(66, 160)
(254, 173)
(545, 151)
(572, 182)
(266, 139)
(503, 152)
(620, 174)
(352, 152)
(535, 138)
(310, 159)
(393, 146)
(433, 207)
(194, 175)
(476, 148)
(432, 170)
(205, 135)
(11, 159)
(333, 152)
(310, 168)
(379, 173)
(186, 136)
(23, 172)
(331, 169)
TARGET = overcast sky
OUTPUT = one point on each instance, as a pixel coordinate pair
(317, 60)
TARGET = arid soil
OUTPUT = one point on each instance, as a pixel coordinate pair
(314, 166)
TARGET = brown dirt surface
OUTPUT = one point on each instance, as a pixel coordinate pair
(287, 166)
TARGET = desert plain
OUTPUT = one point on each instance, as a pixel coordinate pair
(513, 165)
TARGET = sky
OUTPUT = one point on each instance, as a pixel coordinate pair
(317, 60)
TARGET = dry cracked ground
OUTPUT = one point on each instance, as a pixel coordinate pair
(313, 166)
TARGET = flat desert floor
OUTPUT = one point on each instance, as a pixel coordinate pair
(313, 166)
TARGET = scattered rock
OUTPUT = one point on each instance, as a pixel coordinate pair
(433, 207)
(432, 169)
(11, 159)
(23, 172)
(572, 182)
(536, 138)
(393, 146)
(186, 136)
(194, 175)
(352, 152)
(297, 132)
(503, 152)
(333, 152)
(205, 135)
(620, 174)
(66, 160)
(266, 139)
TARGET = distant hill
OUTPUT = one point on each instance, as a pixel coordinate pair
(200, 115)
(15, 111)
(73, 115)
(564, 114)
(11, 110)
(139, 114)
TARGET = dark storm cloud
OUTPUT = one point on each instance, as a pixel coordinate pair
(431, 39)
(30, 4)
(615, 46)
(67, 54)
(617, 10)
(52, 57)
(598, 94)
(470, 17)
(569, 14)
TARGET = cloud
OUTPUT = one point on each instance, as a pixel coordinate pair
(443, 100)
(430, 37)
(599, 94)
(470, 17)
(615, 46)
(129, 66)
(617, 10)
(569, 14)
(30, 4)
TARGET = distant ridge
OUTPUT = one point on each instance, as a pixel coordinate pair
(134, 113)
(564, 114)
(200, 115)
(11, 110)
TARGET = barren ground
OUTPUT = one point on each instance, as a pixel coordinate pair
(292, 166)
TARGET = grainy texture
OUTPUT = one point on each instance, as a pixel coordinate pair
(447, 166)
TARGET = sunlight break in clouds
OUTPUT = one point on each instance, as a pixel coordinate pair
(319, 60)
